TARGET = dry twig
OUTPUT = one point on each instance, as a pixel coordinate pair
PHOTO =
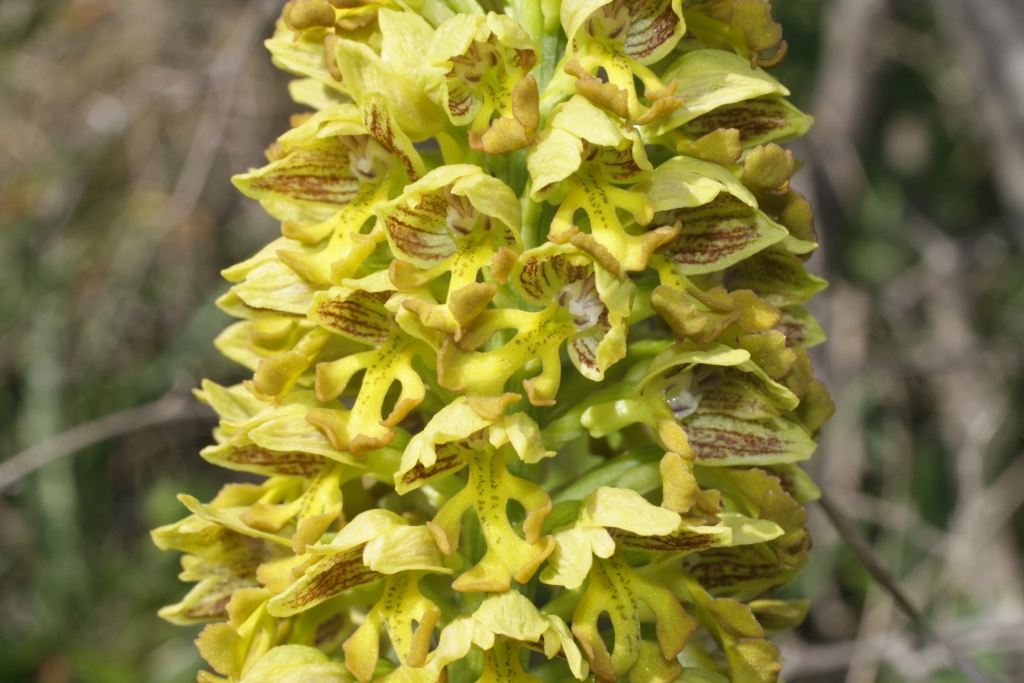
(865, 554)
(806, 659)
(171, 408)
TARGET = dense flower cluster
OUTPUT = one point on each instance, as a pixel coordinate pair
(530, 381)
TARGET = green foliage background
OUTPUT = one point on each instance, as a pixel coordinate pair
(120, 124)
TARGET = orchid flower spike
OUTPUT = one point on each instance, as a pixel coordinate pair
(530, 388)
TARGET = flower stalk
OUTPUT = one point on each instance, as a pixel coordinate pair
(530, 384)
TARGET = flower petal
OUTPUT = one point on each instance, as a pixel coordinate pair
(717, 235)
(722, 441)
(295, 664)
(357, 315)
(709, 79)
(685, 182)
(404, 548)
(759, 121)
(628, 510)
(311, 183)
(778, 277)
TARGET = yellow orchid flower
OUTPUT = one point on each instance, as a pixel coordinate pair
(561, 201)
(623, 38)
(478, 66)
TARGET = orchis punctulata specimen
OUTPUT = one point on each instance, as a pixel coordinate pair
(530, 383)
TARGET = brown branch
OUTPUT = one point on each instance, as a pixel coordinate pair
(987, 34)
(865, 554)
(135, 253)
(805, 660)
(172, 408)
(854, 31)
(223, 77)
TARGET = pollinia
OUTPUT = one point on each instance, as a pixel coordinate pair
(530, 381)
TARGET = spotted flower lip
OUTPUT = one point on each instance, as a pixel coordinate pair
(528, 361)
(581, 160)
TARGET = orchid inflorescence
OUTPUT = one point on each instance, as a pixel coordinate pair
(530, 381)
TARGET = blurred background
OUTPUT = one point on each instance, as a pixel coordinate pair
(121, 122)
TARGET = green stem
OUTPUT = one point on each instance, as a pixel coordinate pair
(531, 218)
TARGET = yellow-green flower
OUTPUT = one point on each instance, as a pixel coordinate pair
(529, 386)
